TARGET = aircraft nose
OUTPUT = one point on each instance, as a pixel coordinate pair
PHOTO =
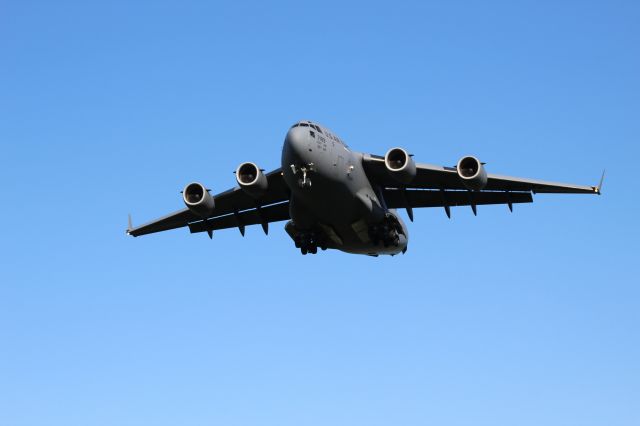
(297, 141)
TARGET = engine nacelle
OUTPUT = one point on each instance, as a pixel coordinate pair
(400, 165)
(252, 180)
(198, 200)
(472, 173)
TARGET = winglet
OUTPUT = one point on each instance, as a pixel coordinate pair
(130, 225)
(598, 188)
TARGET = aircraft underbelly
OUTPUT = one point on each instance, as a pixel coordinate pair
(330, 191)
(344, 208)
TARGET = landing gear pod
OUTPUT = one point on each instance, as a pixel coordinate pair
(251, 180)
(197, 198)
(472, 173)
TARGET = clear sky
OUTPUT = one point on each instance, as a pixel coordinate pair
(111, 107)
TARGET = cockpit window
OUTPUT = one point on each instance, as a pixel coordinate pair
(313, 126)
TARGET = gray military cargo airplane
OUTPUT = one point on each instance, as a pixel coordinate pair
(341, 199)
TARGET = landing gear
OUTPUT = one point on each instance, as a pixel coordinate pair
(309, 242)
(304, 182)
(387, 232)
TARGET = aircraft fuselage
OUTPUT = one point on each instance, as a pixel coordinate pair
(332, 200)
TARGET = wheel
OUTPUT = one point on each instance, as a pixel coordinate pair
(313, 249)
(303, 250)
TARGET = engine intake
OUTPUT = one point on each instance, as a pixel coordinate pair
(252, 180)
(400, 165)
(472, 173)
(198, 200)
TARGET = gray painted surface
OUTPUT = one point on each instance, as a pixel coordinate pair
(345, 200)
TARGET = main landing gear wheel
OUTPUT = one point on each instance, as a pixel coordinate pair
(309, 241)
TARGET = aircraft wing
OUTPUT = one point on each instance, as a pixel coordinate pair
(398, 198)
(438, 186)
(233, 208)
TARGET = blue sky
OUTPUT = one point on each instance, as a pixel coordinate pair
(108, 108)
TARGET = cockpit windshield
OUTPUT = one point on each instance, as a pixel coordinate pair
(308, 124)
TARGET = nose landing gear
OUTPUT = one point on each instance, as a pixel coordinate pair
(304, 182)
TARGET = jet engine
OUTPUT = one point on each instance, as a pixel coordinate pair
(400, 165)
(472, 173)
(251, 179)
(198, 199)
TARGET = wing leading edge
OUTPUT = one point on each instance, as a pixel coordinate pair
(437, 186)
(430, 176)
(233, 206)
